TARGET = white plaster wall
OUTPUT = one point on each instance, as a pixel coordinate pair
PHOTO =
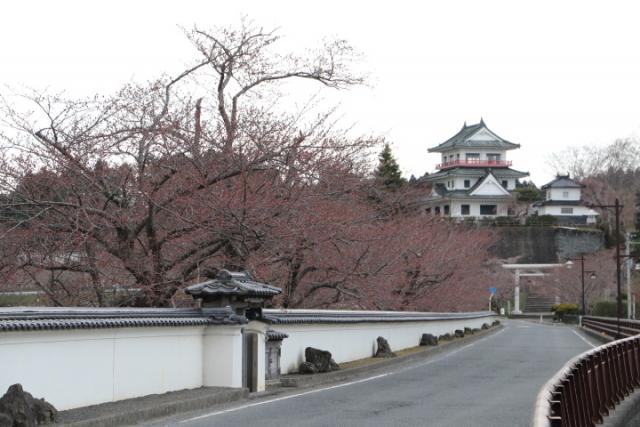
(558, 194)
(460, 182)
(222, 357)
(474, 209)
(348, 342)
(557, 210)
(77, 368)
(511, 183)
(155, 361)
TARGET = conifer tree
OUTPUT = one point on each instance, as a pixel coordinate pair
(388, 172)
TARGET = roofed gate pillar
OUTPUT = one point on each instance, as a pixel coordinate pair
(245, 297)
(237, 290)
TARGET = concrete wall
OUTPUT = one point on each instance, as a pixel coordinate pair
(74, 368)
(348, 342)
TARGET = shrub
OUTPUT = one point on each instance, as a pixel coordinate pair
(505, 220)
(528, 194)
(608, 309)
(546, 220)
(564, 308)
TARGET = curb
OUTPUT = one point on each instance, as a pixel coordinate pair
(132, 411)
(600, 336)
(298, 380)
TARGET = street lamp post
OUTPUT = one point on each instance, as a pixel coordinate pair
(629, 258)
(629, 264)
(569, 264)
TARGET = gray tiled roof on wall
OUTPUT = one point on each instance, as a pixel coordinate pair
(562, 181)
(559, 203)
(273, 335)
(51, 318)
(337, 316)
(475, 172)
(232, 283)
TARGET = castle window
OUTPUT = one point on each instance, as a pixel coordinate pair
(505, 184)
(472, 156)
(488, 210)
(467, 183)
(464, 209)
(565, 194)
(446, 209)
(566, 211)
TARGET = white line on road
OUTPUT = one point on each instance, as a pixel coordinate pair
(238, 408)
(363, 380)
(428, 362)
(584, 339)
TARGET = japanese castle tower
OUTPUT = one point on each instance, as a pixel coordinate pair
(474, 178)
(563, 200)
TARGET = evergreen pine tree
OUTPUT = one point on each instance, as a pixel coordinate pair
(388, 171)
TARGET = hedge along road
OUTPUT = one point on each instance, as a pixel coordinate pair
(492, 382)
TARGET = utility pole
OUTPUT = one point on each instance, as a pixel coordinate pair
(627, 255)
(584, 307)
(618, 208)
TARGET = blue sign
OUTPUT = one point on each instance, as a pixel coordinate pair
(493, 290)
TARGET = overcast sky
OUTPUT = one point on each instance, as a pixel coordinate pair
(545, 74)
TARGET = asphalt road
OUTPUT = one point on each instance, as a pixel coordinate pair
(492, 382)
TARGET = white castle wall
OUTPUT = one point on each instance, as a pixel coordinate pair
(353, 341)
(74, 368)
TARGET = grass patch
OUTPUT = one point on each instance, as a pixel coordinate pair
(21, 300)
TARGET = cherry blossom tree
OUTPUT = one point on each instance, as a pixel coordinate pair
(163, 184)
(120, 188)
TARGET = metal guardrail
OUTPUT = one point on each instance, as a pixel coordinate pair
(592, 383)
(609, 326)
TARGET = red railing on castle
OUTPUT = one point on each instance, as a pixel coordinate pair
(475, 163)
